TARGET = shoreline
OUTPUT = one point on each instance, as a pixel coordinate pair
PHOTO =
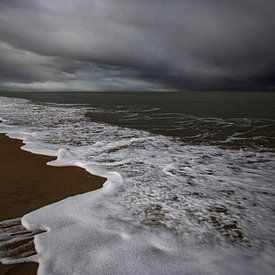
(28, 183)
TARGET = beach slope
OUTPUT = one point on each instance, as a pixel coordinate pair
(28, 183)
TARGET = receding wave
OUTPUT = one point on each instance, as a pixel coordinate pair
(169, 206)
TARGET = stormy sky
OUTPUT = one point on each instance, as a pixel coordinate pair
(134, 45)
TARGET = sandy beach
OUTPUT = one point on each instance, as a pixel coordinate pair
(27, 183)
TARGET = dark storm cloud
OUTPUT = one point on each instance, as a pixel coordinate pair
(145, 44)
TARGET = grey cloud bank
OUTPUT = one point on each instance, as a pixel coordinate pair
(137, 45)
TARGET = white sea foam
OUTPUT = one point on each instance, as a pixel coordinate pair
(166, 208)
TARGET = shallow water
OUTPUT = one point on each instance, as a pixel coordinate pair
(232, 120)
(181, 205)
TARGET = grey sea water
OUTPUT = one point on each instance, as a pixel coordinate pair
(200, 165)
(229, 119)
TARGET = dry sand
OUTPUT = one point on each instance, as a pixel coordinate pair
(27, 183)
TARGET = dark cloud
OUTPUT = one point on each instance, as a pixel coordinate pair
(145, 44)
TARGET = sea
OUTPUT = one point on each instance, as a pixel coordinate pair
(190, 180)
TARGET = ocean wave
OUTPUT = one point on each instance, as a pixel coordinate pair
(167, 206)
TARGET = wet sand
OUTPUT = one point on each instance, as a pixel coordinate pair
(27, 183)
